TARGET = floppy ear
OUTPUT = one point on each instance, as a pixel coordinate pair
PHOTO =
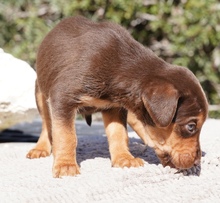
(161, 100)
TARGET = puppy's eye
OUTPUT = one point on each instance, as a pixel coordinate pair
(188, 130)
(191, 127)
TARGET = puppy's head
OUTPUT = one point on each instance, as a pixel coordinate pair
(178, 108)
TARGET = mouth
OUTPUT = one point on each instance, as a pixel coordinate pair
(166, 160)
(180, 162)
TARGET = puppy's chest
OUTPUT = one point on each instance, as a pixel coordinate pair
(91, 104)
(96, 104)
(98, 96)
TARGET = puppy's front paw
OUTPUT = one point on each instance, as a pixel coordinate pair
(65, 169)
(127, 160)
(37, 153)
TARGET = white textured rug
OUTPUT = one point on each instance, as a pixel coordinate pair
(24, 180)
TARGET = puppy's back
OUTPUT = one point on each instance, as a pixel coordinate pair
(80, 44)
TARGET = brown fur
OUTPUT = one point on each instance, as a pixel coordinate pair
(84, 67)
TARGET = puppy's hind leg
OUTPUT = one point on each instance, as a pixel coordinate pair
(115, 126)
(43, 146)
(63, 112)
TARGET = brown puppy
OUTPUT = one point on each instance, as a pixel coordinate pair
(83, 66)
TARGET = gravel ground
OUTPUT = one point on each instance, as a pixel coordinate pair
(24, 180)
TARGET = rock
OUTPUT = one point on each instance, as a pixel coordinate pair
(17, 84)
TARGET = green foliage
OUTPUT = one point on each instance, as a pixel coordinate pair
(183, 32)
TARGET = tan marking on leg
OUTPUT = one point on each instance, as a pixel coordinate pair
(138, 127)
(43, 146)
(64, 148)
(118, 139)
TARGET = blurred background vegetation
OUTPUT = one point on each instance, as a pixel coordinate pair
(183, 32)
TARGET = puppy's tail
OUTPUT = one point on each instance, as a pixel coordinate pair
(88, 119)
